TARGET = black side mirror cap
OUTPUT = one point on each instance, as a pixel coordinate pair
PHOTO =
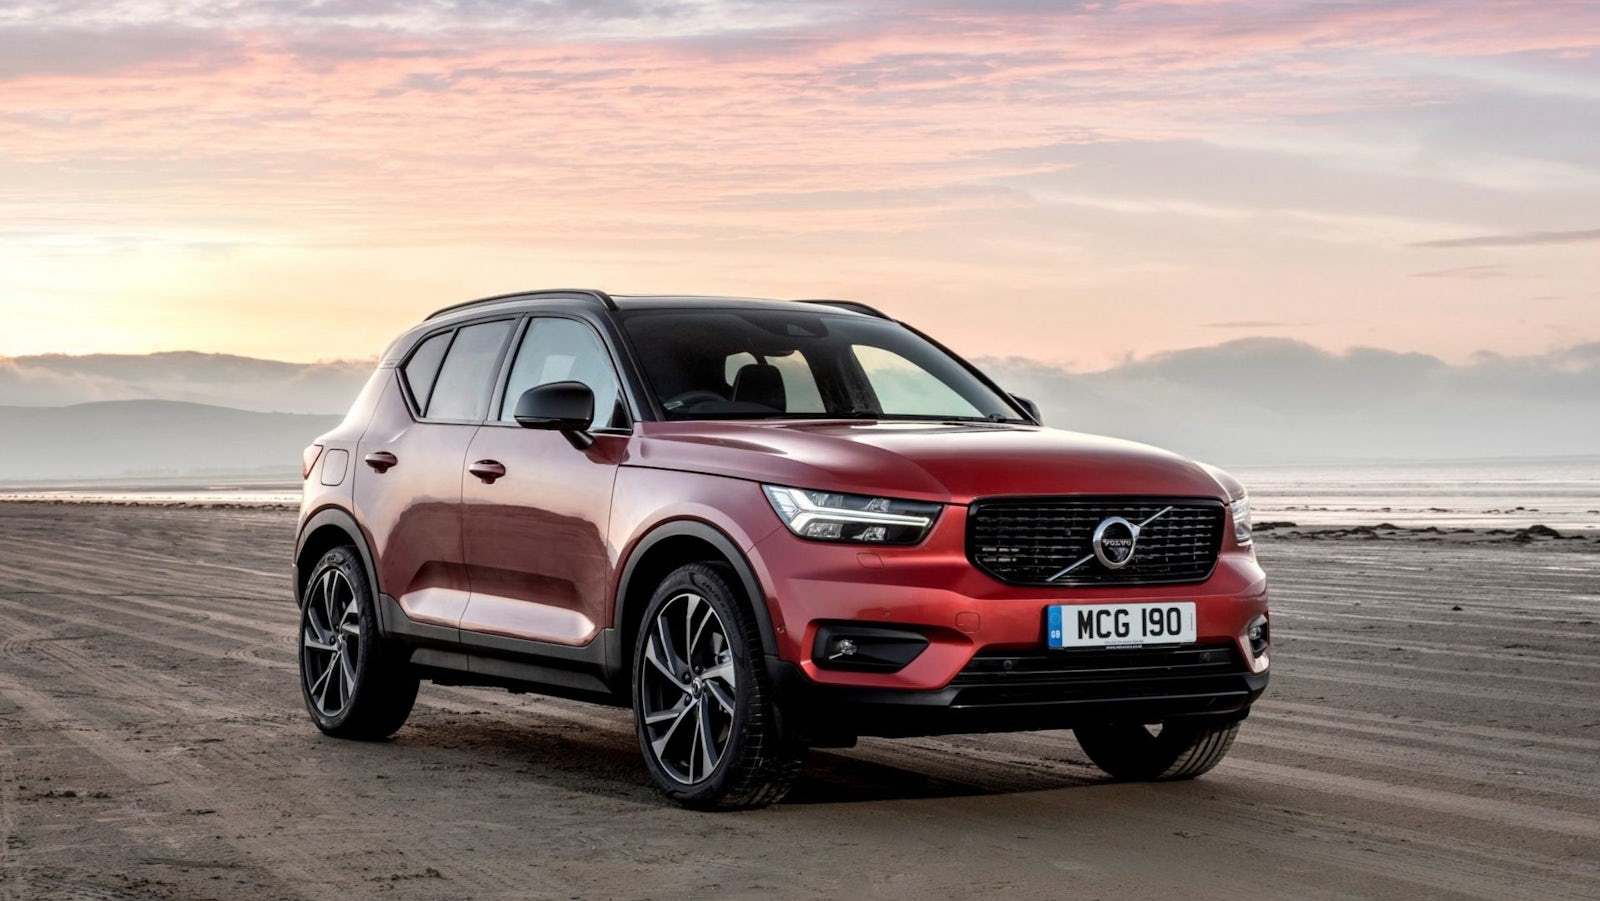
(1029, 407)
(565, 407)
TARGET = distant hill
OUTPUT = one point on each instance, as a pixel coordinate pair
(1257, 400)
(243, 383)
(1265, 400)
(123, 439)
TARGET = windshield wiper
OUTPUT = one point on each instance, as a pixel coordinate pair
(842, 414)
(996, 418)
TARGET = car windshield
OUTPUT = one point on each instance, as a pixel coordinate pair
(788, 364)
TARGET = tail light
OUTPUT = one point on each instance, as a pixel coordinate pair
(308, 460)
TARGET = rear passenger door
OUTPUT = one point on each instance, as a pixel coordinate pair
(536, 535)
(413, 455)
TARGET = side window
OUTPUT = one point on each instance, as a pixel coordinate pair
(561, 350)
(907, 389)
(423, 368)
(467, 377)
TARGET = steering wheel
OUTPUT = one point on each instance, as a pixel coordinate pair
(690, 398)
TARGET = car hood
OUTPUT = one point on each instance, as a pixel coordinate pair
(945, 462)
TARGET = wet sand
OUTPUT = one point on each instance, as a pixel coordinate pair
(1432, 731)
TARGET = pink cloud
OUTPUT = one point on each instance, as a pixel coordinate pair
(837, 129)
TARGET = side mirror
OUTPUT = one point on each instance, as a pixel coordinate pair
(565, 407)
(1029, 407)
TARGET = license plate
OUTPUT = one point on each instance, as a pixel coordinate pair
(1119, 625)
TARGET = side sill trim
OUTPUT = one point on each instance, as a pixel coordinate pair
(448, 667)
(477, 658)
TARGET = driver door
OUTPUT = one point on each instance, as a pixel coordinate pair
(535, 537)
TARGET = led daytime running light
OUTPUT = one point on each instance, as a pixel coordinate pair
(801, 510)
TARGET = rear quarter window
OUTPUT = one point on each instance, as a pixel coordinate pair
(422, 369)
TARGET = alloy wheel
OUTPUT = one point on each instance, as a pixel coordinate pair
(688, 688)
(330, 643)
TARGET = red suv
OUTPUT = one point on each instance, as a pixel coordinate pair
(765, 526)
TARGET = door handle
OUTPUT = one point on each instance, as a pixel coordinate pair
(487, 470)
(381, 460)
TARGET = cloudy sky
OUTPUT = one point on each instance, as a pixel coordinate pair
(1073, 183)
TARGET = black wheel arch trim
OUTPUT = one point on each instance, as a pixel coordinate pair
(340, 518)
(693, 528)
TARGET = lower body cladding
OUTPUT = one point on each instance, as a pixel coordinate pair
(1010, 691)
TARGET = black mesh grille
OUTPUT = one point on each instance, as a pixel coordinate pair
(1025, 541)
(994, 678)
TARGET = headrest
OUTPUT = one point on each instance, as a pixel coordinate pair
(760, 383)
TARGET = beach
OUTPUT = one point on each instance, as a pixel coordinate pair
(1432, 730)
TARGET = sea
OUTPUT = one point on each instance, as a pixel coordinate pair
(1562, 493)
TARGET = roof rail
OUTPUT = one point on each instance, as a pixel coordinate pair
(601, 296)
(851, 305)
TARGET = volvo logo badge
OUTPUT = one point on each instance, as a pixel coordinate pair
(1114, 542)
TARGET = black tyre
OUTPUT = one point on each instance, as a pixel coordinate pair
(355, 683)
(1179, 749)
(702, 705)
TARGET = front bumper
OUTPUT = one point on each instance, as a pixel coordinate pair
(986, 667)
(934, 589)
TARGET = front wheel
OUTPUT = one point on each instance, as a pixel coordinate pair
(703, 708)
(1179, 749)
(354, 682)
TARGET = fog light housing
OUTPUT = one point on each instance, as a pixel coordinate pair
(874, 649)
(1259, 634)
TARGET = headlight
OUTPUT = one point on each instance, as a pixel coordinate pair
(830, 516)
(1241, 519)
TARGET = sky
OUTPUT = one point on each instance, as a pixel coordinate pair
(1077, 184)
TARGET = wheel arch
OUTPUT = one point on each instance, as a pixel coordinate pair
(327, 529)
(667, 547)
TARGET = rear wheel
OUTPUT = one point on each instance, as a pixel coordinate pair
(703, 709)
(1180, 749)
(354, 681)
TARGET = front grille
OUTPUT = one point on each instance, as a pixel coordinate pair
(1025, 541)
(999, 679)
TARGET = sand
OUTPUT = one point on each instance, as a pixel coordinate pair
(1432, 731)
